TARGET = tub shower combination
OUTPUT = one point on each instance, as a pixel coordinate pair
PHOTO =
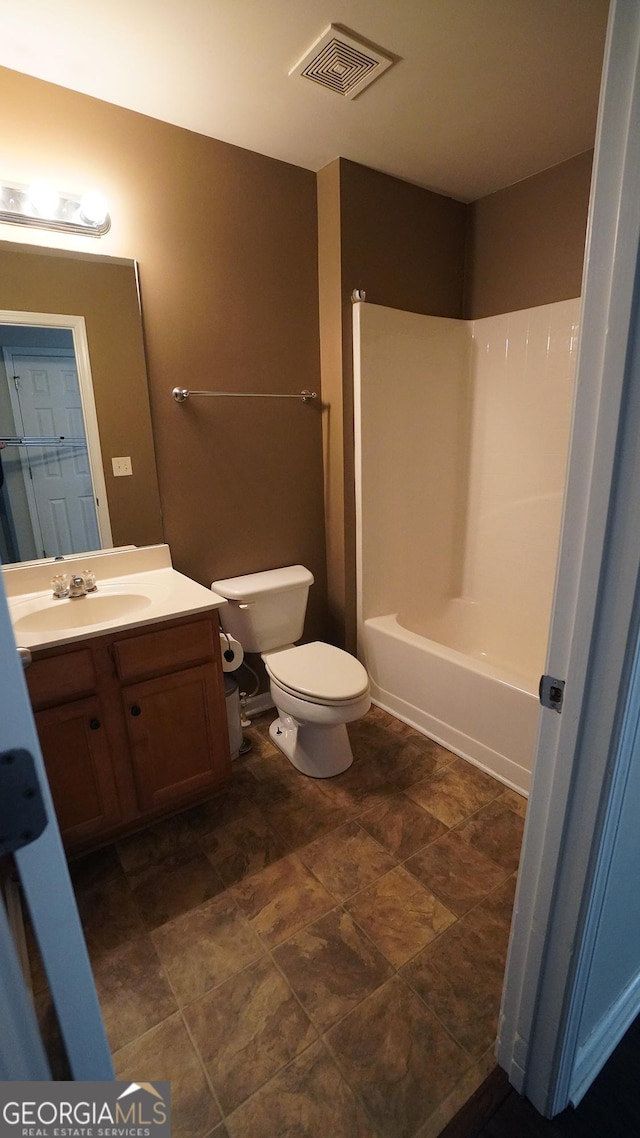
(462, 431)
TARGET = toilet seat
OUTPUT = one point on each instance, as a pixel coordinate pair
(319, 673)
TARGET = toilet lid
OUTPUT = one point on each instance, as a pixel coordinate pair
(319, 671)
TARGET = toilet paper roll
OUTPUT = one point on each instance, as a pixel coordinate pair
(232, 652)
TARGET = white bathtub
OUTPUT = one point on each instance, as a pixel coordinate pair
(432, 687)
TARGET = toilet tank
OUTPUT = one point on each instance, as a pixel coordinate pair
(265, 610)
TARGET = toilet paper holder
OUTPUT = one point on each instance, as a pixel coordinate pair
(232, 652)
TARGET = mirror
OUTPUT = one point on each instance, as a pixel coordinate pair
(92, 303)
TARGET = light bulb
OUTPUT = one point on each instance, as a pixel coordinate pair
(44, 198)
(93, 207)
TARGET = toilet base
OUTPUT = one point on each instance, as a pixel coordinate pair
(320, 752)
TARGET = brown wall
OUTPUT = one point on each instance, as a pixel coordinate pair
(526, 243)
(405, 247)
(226, 241)
(402, 244)
(415, 250)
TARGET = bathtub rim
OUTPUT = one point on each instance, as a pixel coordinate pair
(513, 774)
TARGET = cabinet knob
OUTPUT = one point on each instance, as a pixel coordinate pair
(135, 710)
(94, 724)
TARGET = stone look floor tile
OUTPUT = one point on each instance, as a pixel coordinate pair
(331, 966)
(258, 736)
(133, 991)
(307, 1099)
(247, 1029)
(410, 758)
(398, 1058)
(242, 846)
(399, 915)
(270, 778)
(461, 1093)
(155, 843)
(401, 826)
(346, 860)
(92, 868)
(206, 946)
(304, 816)
(166, 1052)
(109, 913)
(168, 888)
(455, 792)
(460, 977)
(515, 801)
(230, 805)
(282, 899)
(496, 830)
(456, 872)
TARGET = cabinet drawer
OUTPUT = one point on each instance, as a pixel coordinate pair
(62, 677)
(165, 650)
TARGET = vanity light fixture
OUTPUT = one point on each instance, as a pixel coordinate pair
(42, 206)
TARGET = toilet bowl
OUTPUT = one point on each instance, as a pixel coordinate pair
(317, 689)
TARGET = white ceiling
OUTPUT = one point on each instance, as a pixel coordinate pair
(487, 92)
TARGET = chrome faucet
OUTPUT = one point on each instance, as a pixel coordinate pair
(77, 586)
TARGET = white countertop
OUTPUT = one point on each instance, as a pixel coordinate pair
(136, 587)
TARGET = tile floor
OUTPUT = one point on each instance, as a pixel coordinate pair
(304, 958)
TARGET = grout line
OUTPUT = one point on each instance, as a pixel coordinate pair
(203, 1068)
(340, 906)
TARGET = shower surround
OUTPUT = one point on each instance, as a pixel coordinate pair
(462, 431)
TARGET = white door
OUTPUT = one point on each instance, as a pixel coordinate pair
(44, 877)
(573, 973)
(46, 402)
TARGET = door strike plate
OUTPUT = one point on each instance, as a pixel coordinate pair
(551, 692)
(22, 812)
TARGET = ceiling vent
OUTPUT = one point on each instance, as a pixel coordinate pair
(343, 62)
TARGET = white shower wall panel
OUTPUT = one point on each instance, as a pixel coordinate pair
(414, 426)
(522, 365)
(462, 433)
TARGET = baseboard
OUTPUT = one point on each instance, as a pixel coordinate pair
(592, 1056)
(256, 704)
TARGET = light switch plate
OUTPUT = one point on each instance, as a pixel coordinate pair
(121, 467)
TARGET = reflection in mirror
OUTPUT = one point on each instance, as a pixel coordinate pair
(36, 285)
(52, 495)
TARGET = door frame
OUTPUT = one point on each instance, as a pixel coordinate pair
(77, 326)
(583, 755)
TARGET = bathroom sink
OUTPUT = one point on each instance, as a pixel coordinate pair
(52, 615)
(135, 587)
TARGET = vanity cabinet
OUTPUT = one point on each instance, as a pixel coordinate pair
(132, 725)
(74, 740)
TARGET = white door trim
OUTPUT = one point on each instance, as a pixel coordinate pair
(579, 766)
(77, 326)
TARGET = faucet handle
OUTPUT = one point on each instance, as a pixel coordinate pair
(89, 580)
(60, 585)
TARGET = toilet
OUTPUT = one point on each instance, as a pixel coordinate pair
(317, 689)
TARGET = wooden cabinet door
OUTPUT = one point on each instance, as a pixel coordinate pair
(76, 754)
(177, 747)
